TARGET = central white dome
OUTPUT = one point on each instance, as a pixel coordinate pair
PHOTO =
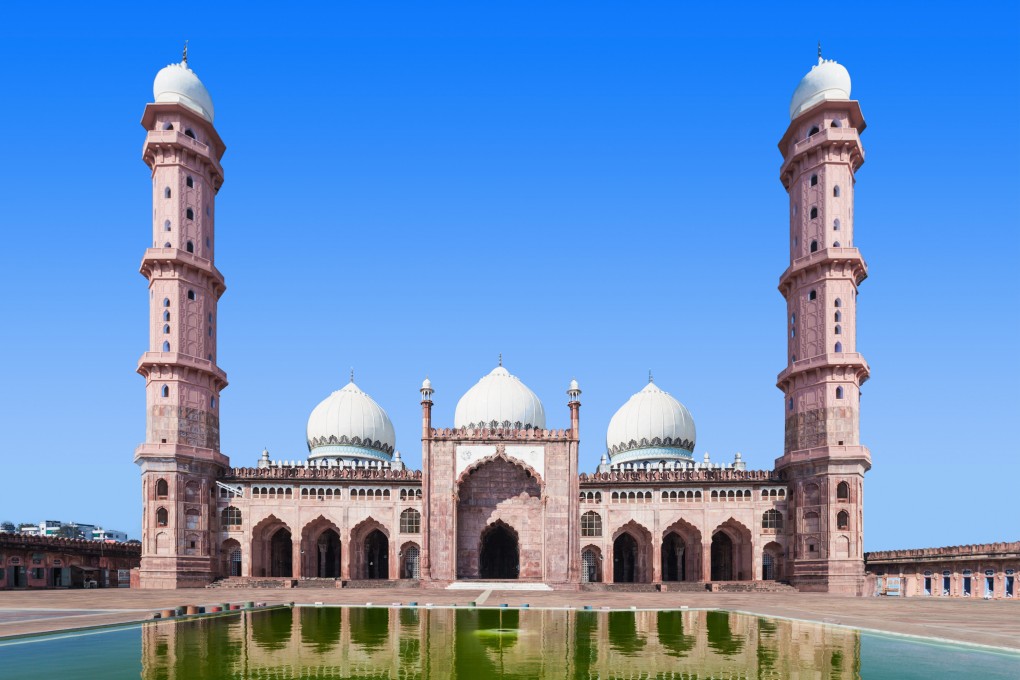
(177, 83)
(500, 400)
(651, 425)
(825, 80)
(348, 423)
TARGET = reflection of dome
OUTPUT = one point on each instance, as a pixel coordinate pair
(651, 425)
(178, 83)
(500, 400)
(825, 80)
(350, 423)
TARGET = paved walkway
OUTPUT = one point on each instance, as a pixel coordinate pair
(976, 621)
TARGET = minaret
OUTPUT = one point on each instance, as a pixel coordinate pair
(823, 457)
(181, 456)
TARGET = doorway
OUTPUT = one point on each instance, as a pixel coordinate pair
(377, 555)
(722, 557)
(281, 563)
(625, 554)
(328, 554)
(673, 552)
(499, 556)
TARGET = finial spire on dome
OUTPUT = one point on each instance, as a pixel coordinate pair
(184, 57)
(352, 374)
(650, 379)
(819, 51)
(500, 358)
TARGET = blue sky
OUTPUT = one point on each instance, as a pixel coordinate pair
(591, 189)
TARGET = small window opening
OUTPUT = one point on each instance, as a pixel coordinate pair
(212, 402)
(166, 328)
(839, 330)
(838, 303)
(191, 295)
(166, 226)
(791, 404)
(168, 126)
(813, 295)
(814, 246)
(835, 191)
(166, 345)
(165, 391)
(814, 180)
(835, 244)
(839, 392)
(838, 316)
(166, 315)
(839, 347)
(814, 131)
(190, 182)
(835, 124)
(189, 213)
(190, 247)
(814, 213)
(167, 245)
(189, 133)
(166, 302)
(166, 193)
(835, 224)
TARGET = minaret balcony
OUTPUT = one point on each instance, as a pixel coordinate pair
(158, 139)
(178, 451)
(835, 454)
(844, 360)
(826, 257)
(830, 136)
(150, 359)
(155, 259)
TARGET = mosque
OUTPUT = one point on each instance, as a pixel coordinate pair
(500, 495)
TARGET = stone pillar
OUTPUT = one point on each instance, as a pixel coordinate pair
(706, 560)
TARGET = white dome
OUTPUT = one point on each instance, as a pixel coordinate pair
(500, 400)
(350, 423)
(178, 84)
(652, 424)
(825, 80)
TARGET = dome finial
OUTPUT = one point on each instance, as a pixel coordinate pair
(820, 52)
(184, 57)
(650, 379)
(352, 374)
(500, 358)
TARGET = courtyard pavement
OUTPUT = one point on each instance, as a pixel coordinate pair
(995, 623)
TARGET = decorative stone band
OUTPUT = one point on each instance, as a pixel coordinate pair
(663, 444)
(464, 434)
(643, 477)
(496, 425)
(300, 472)
(319, 445)
(652, 454)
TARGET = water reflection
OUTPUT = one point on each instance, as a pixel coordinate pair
(495, 643)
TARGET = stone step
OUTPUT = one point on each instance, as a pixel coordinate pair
(510, 584)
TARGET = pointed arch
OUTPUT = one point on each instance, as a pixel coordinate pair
(410, 560)
(320, 553)
(632, 554)
(499, 551)
(731, 552)
(271, 548)
(591, 564)
(368, 549)
(501, 456)
(680, 553)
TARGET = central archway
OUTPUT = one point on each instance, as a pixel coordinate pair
(327, 553)
(281, 560)
(377, 555)
(499, 552)
(722, 557)
(625, 557)
(674, 566)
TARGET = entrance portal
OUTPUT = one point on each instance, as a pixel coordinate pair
(625, 559)
(377, 555)
(673, 567)
(499, 556)
(722, 557)
(328, 554)
(281, 561)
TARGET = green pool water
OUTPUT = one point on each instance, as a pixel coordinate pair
(357, 642)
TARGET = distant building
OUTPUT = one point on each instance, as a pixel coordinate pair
(109, 535)
(986, 571)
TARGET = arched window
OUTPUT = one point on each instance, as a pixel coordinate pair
(190, 247)
(190, 182)
(167, 245)
(835, 124)
(835, 244)
(791, 403)
(814, 131)
(189, 213)
(814, 180)
(839, 330)
(162, 489)
(166, 192)
(843, 520)
(838, 316)
(166, 345)
(164, 391)
(166, 315)
(835, 224)
(814, 213)
(189, 133)
(166, 302)
(212, 402)
(813, 295)
(839, 392)
(839, 347)
(166, 226)
(162, 517)
(838, 303)
(166, 328)
(843, 492)
(231, 517)
(814, 246)
(591, 524)
(772, 519)
(835, 191)
(191, 294)
(168, 126)
(410, 521)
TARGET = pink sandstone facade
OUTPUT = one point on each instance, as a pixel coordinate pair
(500, 495)
(988, 571)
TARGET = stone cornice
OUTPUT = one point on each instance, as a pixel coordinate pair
(16, 541)
(601, 479)
(957, 552)
(466, 435)
(174, 257)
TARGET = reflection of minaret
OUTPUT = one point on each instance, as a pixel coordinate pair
(181, 455)
(822, 152)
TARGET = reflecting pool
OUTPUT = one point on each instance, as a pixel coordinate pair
(376, 642)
